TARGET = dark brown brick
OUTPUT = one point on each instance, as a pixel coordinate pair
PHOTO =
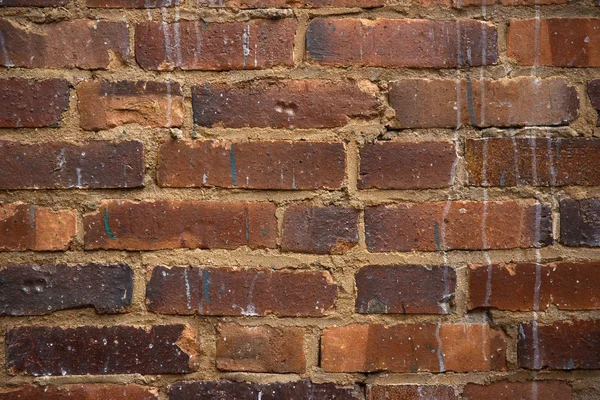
(43, 289)
(593, 90)
(170, 224)
(47, 350)
(580, 222)
(33, 3)
(226, 291)
(104, 105)
(85, 44)
(197, 45)
(319, 230)
(81, 392)
(398, 165)
(291, 3)
(458, 225)
(524, 101)
(565, 345)
(505, 390)
(307, 103)
(260, 349)
(131, 3)
(53, 165)
(251, 165)
(410, 392)
(32, 104)
(413, 43)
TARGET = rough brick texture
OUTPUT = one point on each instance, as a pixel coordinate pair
(505, 390)
(579, 222)
(410, 392)
(131, 3)
(33, 3)
(82, 392)
(290, 3)
(593, 90)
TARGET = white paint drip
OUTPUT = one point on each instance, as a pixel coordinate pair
(188, 291)
(483, 61)
(484, 242)
(198, 43)
(246, 43)
(7, 61)
(251, 308)
(166, 37)
(177, 37)
(169, 101)
(440, 352)
(78, 171)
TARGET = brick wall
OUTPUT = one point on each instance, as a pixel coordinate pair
(299, 199)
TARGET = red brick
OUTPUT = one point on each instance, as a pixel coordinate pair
(319, 230)
(260, 349)
(279, 165)
(307, 103)
(27, 227)
(105, 105)
(505, 390)
(564, 345)
(533, 161)
(579, 225)
(32, 104)
(593, 90)
(410, 392)
(53, 165)
(85, 44)
(416, 43)
(479, 3)
(170, 224)
(558, 42)
(47, 350)
(229, 292)
(458, 225)
(290, 3)
(197, 45)
(82, 392)
(444, 103)
(567, 286)
(131, 3)
(33, 3)
(398, 165)
(405, 289)
(412, 348)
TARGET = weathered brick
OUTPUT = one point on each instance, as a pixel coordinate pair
(298, 390)
(533, 161)
(568, 286)
(319, 230)
(43, 289)
(251, 165)
(197, 45)
(81, 392)
(458, 225)
(85, 44)
(398, 165)
(131, 3)
(307, 103)
(505, 390)
(167, 224)
(412, 348)
(593, 90)
(48, 350)
(580, 222)
(290, 3)
(104, 105)
(564, 345)
(558, 42)
(410, 392)
(53, 165)
(27, 227)
(405, 289)
(479, 3)
(446, 103)
(33, 3)
(32, 104)
(413, 43)
(260, 349)
(226, 291)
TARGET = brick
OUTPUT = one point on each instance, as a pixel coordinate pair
(398, 165)
(593, 90)
(84, 44)
(105, 105)
(307, 103)
(412, 348)
(278, 165)
(533, 161)
(59, 165)
(558, 42)
(290, 3)
(230, 292)
(33, 3)
(298, 390)
(26, 103)
(458, 225)
(580, 222)
(412, 43)
(81, 392)
(444, 103)
(48, 350)
(211, 46)
(131, 3)
(319, 230)
(171, 224)
(260, 349)
(505, 390)
(27, 227)
(410, 392)
(565, 345)
(459, 4)
(405, 289)
(42, 289)
(567, 286)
